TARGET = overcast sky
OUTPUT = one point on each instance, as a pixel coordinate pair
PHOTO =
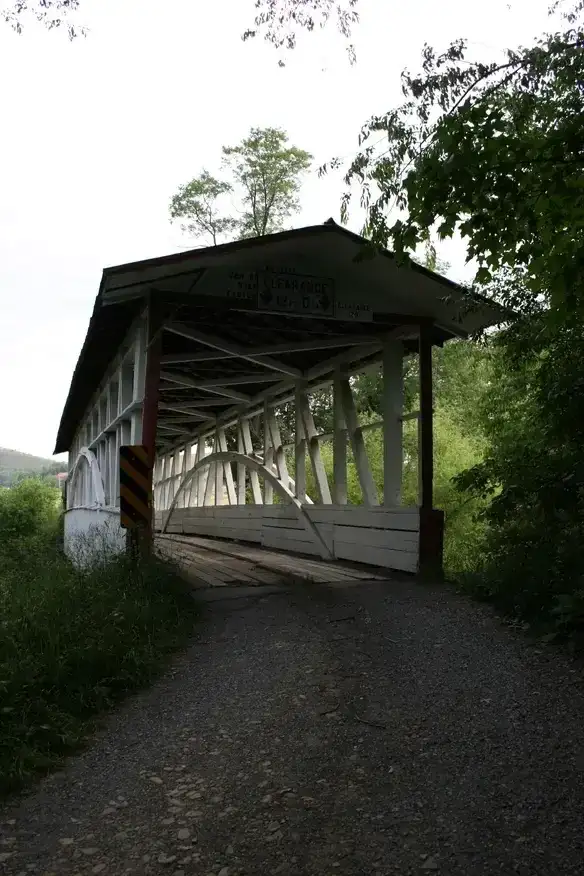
(97, 135)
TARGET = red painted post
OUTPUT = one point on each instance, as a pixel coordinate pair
(427, 417)
(431, 519)
(151, 397)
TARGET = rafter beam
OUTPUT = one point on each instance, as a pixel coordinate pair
(185, 380)
(324, 343)
(191, 403)
(189, 413)
(230, 349)
(317, 378)
(235, 379)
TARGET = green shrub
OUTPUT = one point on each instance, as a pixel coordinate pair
(28, 510)
(72, 642)
(533, 474)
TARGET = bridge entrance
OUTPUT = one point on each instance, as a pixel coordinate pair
(235, 367)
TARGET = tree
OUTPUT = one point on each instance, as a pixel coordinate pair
(51, 13)
(495, 152)
(268, 171)
(278, 20)
(265, 173)
(197, 203)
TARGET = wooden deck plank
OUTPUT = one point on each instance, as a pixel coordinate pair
(263, 565)
(215, 568)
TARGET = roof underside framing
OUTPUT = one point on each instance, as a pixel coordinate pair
(244, 322)
(354, 357)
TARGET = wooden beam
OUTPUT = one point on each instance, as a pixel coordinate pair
(185, 380)
(323, 343)
(285, 390)
(227, 473)
(151, 378)
(210, 482)
(189, 414)
(279, 452)
(268, 456)
(194, 403)
(299, 452)
(240, 467)
(392, 405)
(426, 460)
(229, 348)
(339, 442)
(235, 379)
(253, 475)
(358, 444)
(310, 433)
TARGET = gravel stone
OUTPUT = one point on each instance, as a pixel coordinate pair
(458, 748)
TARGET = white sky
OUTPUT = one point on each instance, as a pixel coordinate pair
(98, 134)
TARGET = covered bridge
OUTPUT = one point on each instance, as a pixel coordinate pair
(197, 356)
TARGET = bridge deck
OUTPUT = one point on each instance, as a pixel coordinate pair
(210, 563)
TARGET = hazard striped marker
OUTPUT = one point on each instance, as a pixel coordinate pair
(135, 487)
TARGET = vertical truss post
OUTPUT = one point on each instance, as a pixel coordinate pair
(276, 440)
(299, 450)
(182, 502)
(310, 433)
(210, 482)
(392, 422)
(147, 384)
(218, 474)
(240, 467)
(358, 444)
(268, 456)
(226, 469)
(202, 475)
(253, 475)
(339, 442)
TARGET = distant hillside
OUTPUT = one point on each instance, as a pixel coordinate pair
(15, 465)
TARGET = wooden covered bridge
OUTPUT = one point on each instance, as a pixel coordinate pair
(207, 362)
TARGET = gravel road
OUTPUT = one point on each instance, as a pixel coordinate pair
(385, 728)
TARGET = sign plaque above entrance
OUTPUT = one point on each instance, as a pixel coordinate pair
(300, 294)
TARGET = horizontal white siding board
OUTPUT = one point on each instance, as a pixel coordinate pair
(279, 539)
(377, 536)
(374, 518)
(389, 559)
(282, 522)
(240, 533)
(393, 539)
(222, 512)
(280, 512)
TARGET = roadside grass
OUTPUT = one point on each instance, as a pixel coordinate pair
(73, 641)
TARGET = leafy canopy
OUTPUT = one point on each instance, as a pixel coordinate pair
(268, 171)
(493, 151)
(51, 13)
(196, 203)
(263, 173)
(279, 20)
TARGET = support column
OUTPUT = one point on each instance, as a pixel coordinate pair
(393, 392)
(299, 450)
(150, 402)
(431, 519)
(240, 467)
(268, 456)
(339, 443)
(426, 418)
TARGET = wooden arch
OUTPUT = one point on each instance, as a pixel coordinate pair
(253, 465)
(87, 456)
